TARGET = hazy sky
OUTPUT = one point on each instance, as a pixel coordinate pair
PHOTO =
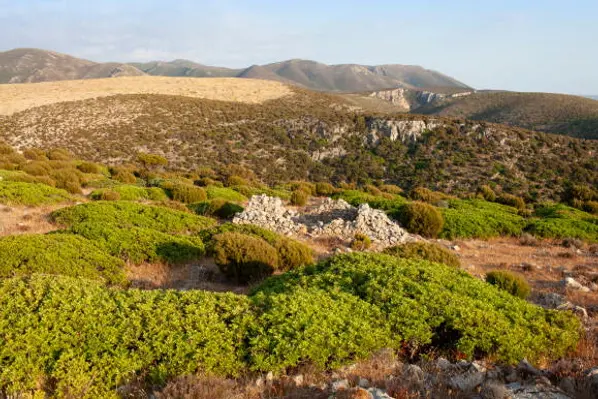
(527, 45)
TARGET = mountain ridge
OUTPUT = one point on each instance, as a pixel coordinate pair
(27, 65)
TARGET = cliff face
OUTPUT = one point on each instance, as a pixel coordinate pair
(410, 100)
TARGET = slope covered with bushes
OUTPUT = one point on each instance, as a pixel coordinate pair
(30, 194)
(88, 339)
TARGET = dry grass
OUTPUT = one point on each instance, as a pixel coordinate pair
(19, 97)
(25, 220)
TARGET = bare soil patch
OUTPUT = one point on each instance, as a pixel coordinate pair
(19, 97)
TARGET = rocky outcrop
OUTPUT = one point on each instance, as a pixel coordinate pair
(403, 130)
(335, 218)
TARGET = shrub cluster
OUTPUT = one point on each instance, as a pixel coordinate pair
(88, 340)
(424, 251)
(480, 219)
(31, 194)
(361, 242)
(60, 254)
(421, 218)
(243, 258)
(217, 207)
(289, 254)
(137, 245)
(510, 282)
(227, 194)
(561, 221)
(299, 198)
(130, 214)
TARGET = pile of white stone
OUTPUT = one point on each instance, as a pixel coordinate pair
(334, 218)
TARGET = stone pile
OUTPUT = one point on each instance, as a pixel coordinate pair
(335, 218)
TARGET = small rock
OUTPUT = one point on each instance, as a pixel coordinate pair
(494, 390)
(469, 380)
(413, 376)
(443, 364)
(298, 380)
(524, 367)
(363, 383)
(567, 385)
(378, 394)
(340, 385)
(571, 283)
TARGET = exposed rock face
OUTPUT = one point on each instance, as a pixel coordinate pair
(403, 130)
(330, 218)
(396, 97)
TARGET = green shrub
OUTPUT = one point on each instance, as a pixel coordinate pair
(292, 254)
(324, 189)
(510, 282)
(186, 193)
(424, 306)
(424, 251)
(487, 193)
(130, 214)
(60, 254)
(236, 181)
(224, 193)
(308, 188)
(129, 193)
(425, 195)
(314, 326)
(88, 340)
(35, 154)
(361, 242)
(299, 198)
(421, 218)
(243, 258)
(579, 192)
(356, 198)
(137, 245)
(216, 207)
(30, 194)
(90, 167)
(561, 221)
(591, 207)
(37, 168)
(59, 154)
(391, 189)
(480, 219)
(511, 200)
(123, 175)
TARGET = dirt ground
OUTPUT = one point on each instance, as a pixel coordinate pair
(19, 97)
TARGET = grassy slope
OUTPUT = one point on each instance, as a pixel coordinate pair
(554, 113)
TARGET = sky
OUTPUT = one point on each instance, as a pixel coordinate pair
(522, 45)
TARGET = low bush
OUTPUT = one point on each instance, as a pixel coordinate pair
(591, 207)
(35, 154)
(186, 193)
(90, 167)
(361, 242)
(60, 254)
(356, 198)
(391, 189)
(291, 253)
(224, 193)
(324, 189)
(423, 305)
(137, 245)
(511, 200)
(123, 175)
(299, 198)
(129, 193)
(425, 195)
(421, 218)
(59, 154)
(243, 258)
(480, 219)
(131, 214)
(89, 340)
(68, 179)
(487, 193)
(218, 207)
(30, 194)
(510, 282)
(560, 221)
(308, 188)
(37, 168)
(424, 251)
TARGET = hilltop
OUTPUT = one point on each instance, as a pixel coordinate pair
(34, 65)
(293, 133)
(552, 113)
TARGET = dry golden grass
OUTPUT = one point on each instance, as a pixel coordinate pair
(25, 220)
(19, 97)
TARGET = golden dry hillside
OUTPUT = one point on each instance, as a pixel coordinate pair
(19, 97)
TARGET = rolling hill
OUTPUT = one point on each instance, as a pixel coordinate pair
(33, 65)
(299, 135)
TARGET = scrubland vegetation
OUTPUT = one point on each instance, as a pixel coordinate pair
(71, 326)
